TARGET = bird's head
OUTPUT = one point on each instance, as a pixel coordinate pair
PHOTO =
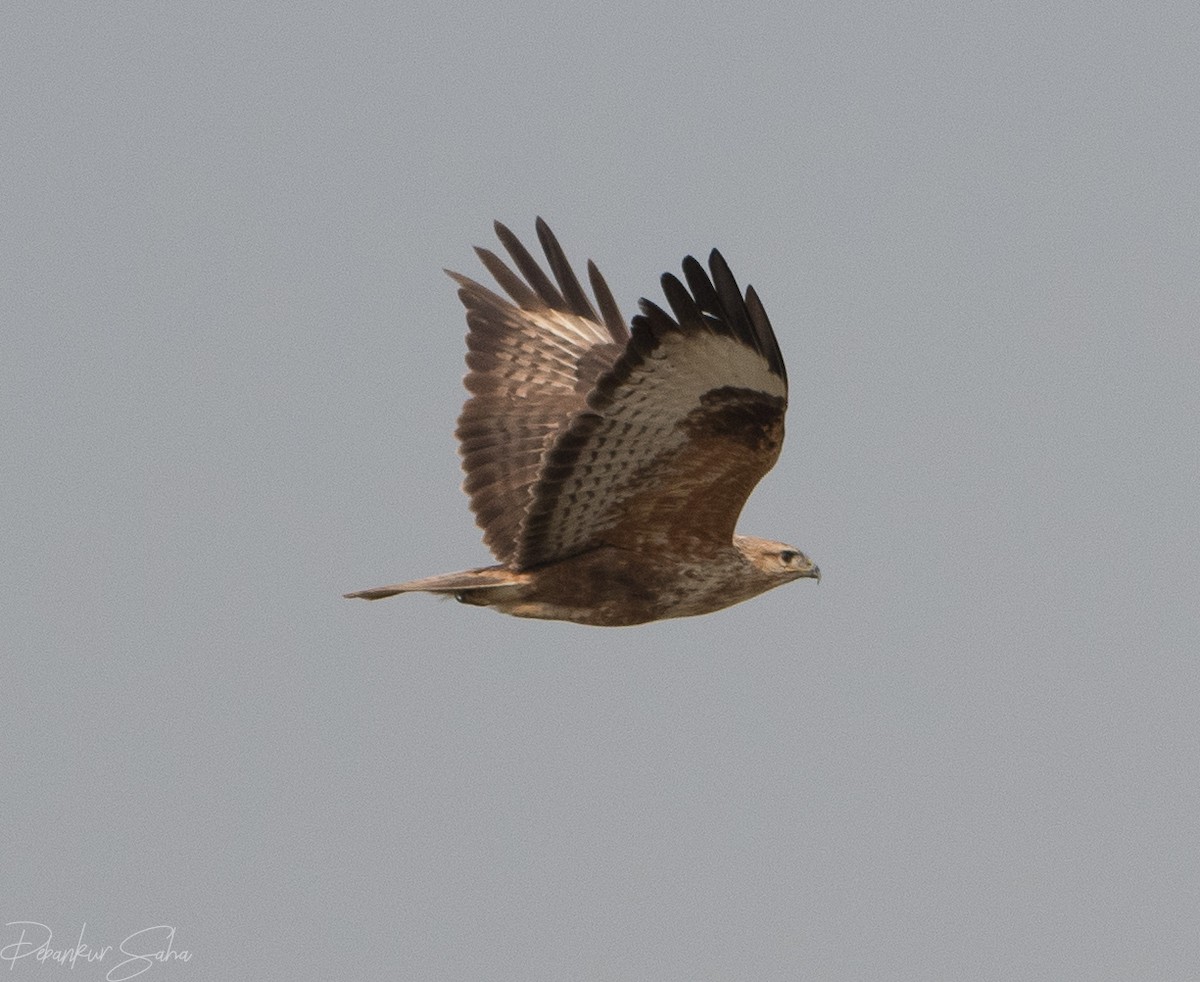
(777, 560)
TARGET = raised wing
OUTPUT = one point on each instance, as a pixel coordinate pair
(674, 436)
(531, 364)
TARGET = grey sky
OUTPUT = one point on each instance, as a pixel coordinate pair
(229, 371)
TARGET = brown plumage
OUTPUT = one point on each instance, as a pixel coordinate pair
(607, 466)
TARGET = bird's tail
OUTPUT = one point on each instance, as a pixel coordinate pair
(449, 584)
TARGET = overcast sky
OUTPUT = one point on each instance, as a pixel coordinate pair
(230, 367)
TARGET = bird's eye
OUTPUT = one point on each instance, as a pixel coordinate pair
(787, 557)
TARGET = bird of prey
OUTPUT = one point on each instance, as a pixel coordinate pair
(607, 464)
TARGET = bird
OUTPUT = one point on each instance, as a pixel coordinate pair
(607, 462)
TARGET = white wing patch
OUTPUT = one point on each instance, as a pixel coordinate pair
(575, 330)
(684, 367)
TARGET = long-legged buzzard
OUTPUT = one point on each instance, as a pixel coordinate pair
(606, 465)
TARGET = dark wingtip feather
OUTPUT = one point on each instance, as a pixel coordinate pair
(701, 286)
(617, 328)
(747, 316)
(529, 268)
(683, 305)
(765, 333)
(537, 291)
(474, 294)
(650, 325)
(509, 281)
(717, 303)
(577, 301)
(730, 295)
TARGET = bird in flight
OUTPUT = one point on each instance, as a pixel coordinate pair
(607, 464)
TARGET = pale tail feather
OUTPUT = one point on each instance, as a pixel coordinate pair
(447, 583)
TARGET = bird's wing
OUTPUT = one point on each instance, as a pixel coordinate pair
(673, 437)
(531, 364)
